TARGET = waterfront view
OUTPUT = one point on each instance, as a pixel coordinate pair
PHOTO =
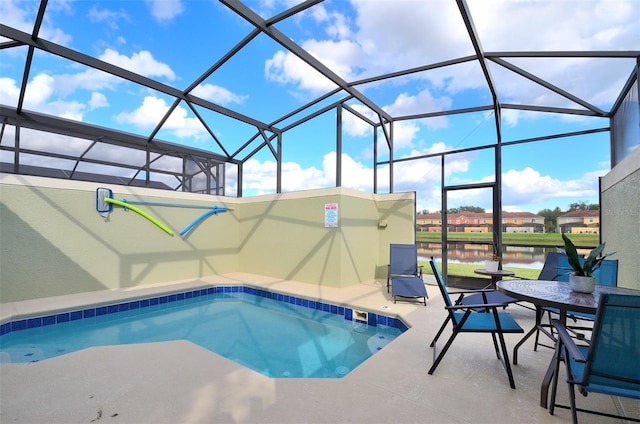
(512, 256)
(525, 252)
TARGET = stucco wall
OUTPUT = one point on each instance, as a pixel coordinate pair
(53, 242)
(285, 235)
(620, 225)
(398, 217)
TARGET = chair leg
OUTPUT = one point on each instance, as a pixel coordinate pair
(495, 345)
(554, 387)
(442, 327)
(572, 400)
(442, 353)
(506, 363)
(503, 348)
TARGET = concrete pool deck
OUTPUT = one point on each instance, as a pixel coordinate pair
(179, 382)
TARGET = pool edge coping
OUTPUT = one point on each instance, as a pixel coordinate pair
(48, 317)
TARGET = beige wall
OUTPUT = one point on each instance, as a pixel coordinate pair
(285, 236)
(53, 242)
(398, 213)
(620, 226)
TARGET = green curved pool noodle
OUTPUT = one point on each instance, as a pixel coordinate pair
(141, 212)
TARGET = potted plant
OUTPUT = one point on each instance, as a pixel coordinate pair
(493, 264)
(581, 279)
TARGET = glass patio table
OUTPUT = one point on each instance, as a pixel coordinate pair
(554, 294)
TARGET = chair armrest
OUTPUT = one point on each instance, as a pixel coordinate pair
(566, 339)
(420, 270)
(471, 291)
(479, 306)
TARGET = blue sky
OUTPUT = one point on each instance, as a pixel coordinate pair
(175, 41)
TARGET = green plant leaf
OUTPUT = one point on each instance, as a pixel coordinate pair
(572, 255)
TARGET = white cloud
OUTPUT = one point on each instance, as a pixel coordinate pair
(286, 68)
(389, 36)
(165, 10)
(355, 175)
(260, 177)
(406, 105)
(529, 186)
(9, 91)
(142, 63)
(91, 79)
(111, 17)
(356, 127)
(19, 15)
(98, 100)
(39, 97)
(217, 94)
(151, 111)
(337, 24)
(404, 132)
(397, 35)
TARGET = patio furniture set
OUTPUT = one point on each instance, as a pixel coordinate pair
(599, 358)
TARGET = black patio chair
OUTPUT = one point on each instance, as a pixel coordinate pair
(474, 319)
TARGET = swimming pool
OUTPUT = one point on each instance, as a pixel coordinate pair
(275, 334)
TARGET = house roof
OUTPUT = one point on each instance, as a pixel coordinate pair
(479, 215)
(581, 213)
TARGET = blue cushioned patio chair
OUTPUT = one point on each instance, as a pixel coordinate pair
(404, 275)
(605, 275)
(468, 319)
(555, 268)
(609, 363)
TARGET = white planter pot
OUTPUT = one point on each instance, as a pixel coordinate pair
(582, 284)
(491, 266)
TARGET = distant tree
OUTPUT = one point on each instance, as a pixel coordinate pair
(550, 218)
(475, 209)
(583, 206)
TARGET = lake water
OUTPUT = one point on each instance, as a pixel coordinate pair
(512, 256)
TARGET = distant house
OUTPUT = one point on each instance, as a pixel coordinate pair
(522, 222)
(473, 222)
(429, 222)
(580, 222)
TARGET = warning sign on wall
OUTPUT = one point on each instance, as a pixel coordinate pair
(331, 215)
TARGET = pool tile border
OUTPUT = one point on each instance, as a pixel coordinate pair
(373, 319)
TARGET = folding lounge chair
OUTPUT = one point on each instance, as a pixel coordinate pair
(405, 276)
(609, 363)
(467, 319)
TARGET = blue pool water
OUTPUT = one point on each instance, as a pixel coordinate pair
(274, 334)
